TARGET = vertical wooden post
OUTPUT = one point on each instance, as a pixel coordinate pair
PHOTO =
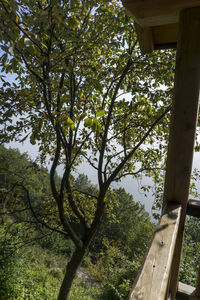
(183, 124)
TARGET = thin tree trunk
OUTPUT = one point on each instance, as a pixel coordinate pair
(70, 273)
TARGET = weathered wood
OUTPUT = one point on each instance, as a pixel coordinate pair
(193, 208)
(153, 279)
(150, 13)
(186, 292)
(183, 123)
(185, 288)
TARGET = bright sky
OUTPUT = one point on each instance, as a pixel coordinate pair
(131, 185)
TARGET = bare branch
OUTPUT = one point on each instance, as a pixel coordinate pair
(108, 120)
(137, 172)
(121, 165)
(36, 217)
(80, 148)
(73, 205)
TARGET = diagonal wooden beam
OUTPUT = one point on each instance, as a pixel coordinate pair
(152, 282)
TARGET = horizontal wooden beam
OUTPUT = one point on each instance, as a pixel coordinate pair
(186, 292)
(150, 13)
(152, 282)
(165, 34)
(160, 37)
(193, 208)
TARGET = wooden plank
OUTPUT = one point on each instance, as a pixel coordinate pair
(183, 123)
(186, 292)
(189, 292)
(193, 208)
(150, 13)
(152, 281)
(185, 288)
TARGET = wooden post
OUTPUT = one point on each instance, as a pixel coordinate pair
(183, 124)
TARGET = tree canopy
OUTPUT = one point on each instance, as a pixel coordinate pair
(82, 91)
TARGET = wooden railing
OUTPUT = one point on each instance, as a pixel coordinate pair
(153, 280)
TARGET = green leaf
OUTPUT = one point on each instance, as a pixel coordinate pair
(88, 122)
(101, 113)
(32, 139)
(82, 116)
(45, 46)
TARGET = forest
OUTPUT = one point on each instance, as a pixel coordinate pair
(75, 85)
(32, 257)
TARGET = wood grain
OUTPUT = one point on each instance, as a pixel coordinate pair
(152, 281)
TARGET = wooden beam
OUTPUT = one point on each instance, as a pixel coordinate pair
(165, 34)
(156, 37)
(183, 123)
(186, 292)
(193, 208)
(152, 281)
(150, 13)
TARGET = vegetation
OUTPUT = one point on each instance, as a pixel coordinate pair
(74, 64)
(31, 261)
(191, 252)
(31, 257)
(82, 91)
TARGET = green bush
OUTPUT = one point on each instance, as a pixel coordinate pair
(115, 271)
(28, 273)
(191, 252)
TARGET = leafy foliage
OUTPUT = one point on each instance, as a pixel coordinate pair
(24, 273)
(32, 262)
(74, 63)
(191, 252)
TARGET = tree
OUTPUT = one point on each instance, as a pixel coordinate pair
(126, 223)
(117, 251)
(74, 63)
(191, 252)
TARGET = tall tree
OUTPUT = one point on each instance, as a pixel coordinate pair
(82, 91)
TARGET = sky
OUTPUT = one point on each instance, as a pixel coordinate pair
(132, 186)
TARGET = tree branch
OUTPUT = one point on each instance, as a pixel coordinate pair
(104, 139)
(121, 165)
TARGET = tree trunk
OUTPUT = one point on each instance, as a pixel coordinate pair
(70, 273)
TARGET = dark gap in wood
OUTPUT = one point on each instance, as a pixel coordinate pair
(165, 46)
(193, 208)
